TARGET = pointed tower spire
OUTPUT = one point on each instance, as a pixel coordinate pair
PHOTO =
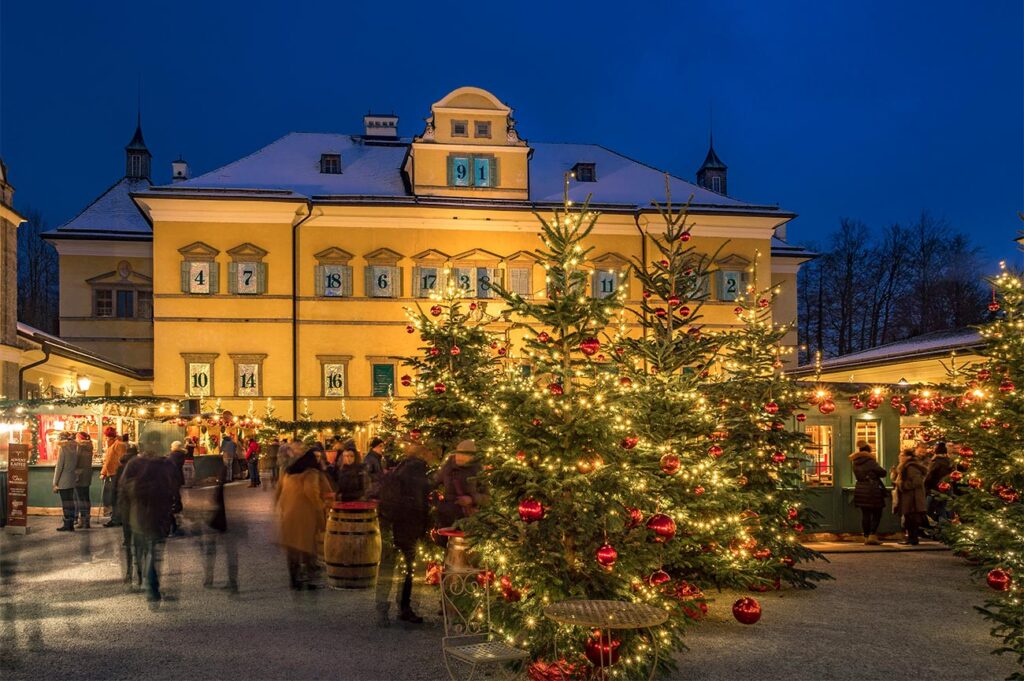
(712, 173)
(137, 156)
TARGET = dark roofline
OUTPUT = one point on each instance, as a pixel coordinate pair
(93, 235)
(881, 360)
(62, 348)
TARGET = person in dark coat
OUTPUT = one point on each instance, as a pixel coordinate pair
(869, 494)
(177, 457)
(121, 511)
(910, 477)
(83, 481)
(149, 484)
(214, 532)
(405, 519)
(938, 468)
(65, 479)
(458, 476)
(374, 464)
(350, 479)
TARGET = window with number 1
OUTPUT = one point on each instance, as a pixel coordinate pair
(472, 171)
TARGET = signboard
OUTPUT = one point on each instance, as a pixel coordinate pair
(17, 488)
(383, 379)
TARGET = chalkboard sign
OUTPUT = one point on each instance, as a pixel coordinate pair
(17, 487)
(383, 378)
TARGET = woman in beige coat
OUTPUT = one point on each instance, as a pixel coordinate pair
(911, 503)
(302, 497)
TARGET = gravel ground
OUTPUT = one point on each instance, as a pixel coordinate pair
(66, 615)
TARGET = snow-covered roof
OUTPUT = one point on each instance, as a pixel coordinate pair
(784, 249)
(113, 213)
(925, 345)
(291, 165)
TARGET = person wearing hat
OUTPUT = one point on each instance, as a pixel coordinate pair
(373, 462)
(65, 477)
(83, 480)
(458, 476)
(350, 478)
(114, 449)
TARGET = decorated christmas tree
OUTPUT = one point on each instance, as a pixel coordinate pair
(762, 456)
(389, 426)
(455, 372)
(576, 511)
(984, 429)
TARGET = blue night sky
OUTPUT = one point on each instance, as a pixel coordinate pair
(871, 110)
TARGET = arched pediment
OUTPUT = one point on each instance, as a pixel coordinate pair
(471, 98)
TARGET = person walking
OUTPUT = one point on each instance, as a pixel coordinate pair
(228, 452)
(351, 481)
(374, 464)
(150, 487)
(215, 531)
(939, 467)
(252, 460)
(300, 498)
(177, 460)
(122, 511)
(405, 519)
(83, 480)
(65, 479)
(458, 476)
(910, 477)
(869, 494)
(113, 451)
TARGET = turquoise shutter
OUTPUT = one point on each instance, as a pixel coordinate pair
(493, 163)
(185, 277)
(261, 278)
(481, 172)
(318, 280)
(214, 277)
(346, 280)
(232, 277)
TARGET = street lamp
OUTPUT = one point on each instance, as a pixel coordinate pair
(83, 384)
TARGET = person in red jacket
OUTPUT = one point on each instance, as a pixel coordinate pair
(252, 458)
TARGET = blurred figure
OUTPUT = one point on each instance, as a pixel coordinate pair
(458, 475)
(215, 531)
(113, 451)
(374, 464)
(149, 485)
(83, 480)
(351, 481)
(869, 494)
(122, 512)
(287, 454)
(177, 459)
(229, 453)
(301, 506)
(405, 519)
(252, 460)
(65, 479)
(910, 476)
(938, 468)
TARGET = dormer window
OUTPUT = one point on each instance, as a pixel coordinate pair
(482, 129)
(330, 164)
(585, 172)
(460, 129)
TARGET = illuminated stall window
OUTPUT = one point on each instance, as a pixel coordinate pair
(820, 463)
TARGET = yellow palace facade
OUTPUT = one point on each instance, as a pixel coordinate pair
(285, 274)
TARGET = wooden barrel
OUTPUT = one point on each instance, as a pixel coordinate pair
(352, 545)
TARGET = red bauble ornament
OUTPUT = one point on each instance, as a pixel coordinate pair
(485, 578)
(984, 375)
(647, 294)
(684, 311)
(746, 610)
(956, 476)
(590, 346)
(440, 388)
(772, 407)
(507, 592)
(502, 351)
(435, 310)
(763, 554)
(999, 579)
(660, 312)
(663, 263)
(993, 307)
(787, 561)
(657, 578)
(415, 433)
(715, 451)
(434, 352)
(663, 527)
(966, 451)
(1006, 386)
(556, 388)
(629, 442)
(698, 490)
(857, 404)
(626, 381)
(433, 577)
(974, 482)
(670, 464)
(543, 337)
(456, 351)
(737, 311)
(684, 236)
(494, 345)
(778, 425)
(606, 556)
(530, 510)
(410, 329)
(801, 417)
(602, 650)
(520, 455)
(763, 303)
(943, 486)
(636, 516)
(778, 457)
(536, 422)
(673, 301)
(826, 406)
(406, 380)
(798, 528)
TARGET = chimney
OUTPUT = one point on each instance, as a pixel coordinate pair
(380, 126)
(179, 170)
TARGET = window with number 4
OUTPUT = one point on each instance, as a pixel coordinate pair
(200, 273)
